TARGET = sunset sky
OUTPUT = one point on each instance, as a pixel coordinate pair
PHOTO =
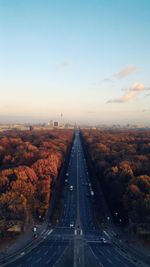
(89, 60)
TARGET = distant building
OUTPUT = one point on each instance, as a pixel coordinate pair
(50, 123)
(56, 124)
(31, 128)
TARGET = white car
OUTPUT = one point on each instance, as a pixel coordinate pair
(104, 241)
(71, 187)
(71, 225)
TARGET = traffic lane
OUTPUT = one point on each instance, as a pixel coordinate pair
(88, 219)
(69, 209)
(90, 259)
(87, 216)
(108, 256)
(47, 254)
(89, 201)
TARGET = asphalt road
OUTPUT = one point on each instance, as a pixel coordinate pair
(76, 239)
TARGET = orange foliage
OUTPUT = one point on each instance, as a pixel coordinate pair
(30, 163)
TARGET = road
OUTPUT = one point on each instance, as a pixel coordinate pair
(76, 240)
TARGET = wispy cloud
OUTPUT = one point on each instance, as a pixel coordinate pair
(125, 72)
(132, 92)
(107, 80)
(147, 95)
(64, 64)
(144, 110)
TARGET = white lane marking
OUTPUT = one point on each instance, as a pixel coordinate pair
(94, 254)
(106, 233)
(113, 232)
(101, 265)
(42, 232)
(50, 232)
(126, 257)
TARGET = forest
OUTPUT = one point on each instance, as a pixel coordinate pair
(29, 166)
(121, 160)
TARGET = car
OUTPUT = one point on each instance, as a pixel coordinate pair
(71, 225)
(35, 235)
(66, 181)
(104, 241)
(67, 174)
(71, 187)
(92, 193)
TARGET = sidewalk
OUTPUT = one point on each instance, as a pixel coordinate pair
(24, 240)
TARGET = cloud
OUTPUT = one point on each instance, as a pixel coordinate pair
(147, 95)
(125, 72)
(107, 80)
(64, 64)
(132, 92)
(136, 89)
(117, 100)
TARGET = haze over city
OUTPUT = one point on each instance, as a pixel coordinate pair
(86, 59)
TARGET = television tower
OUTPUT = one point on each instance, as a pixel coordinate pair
(61, 115)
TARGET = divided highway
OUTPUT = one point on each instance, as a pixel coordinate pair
(76, 240)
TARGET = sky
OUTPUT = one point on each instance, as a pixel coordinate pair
(86, 59)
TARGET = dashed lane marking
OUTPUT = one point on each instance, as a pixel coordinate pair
(50, 232)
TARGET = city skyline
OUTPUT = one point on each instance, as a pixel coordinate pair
(86, 59)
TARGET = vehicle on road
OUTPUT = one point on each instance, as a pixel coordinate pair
(71, 187)
(104, 241)
(71, 225)
(92, 193)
